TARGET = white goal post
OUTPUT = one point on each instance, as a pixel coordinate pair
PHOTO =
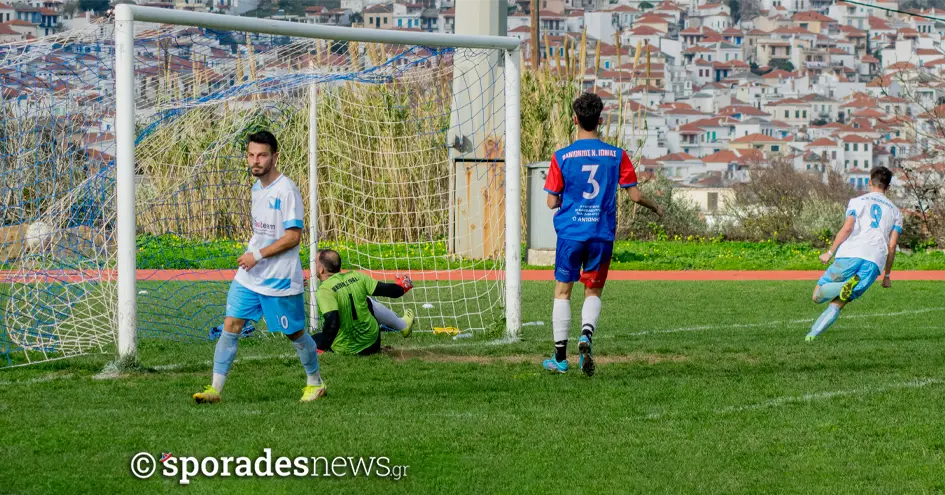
(125, 137)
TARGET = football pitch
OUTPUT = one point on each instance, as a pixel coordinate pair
(702, 387)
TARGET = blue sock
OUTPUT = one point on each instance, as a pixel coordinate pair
(308, 354)
(829, 292)
(225, 353)
(827, 318)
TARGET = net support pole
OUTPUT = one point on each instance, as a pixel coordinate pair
(513, 187)
(313, 204)
(125, 181)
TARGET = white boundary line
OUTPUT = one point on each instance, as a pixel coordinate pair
(806, 398)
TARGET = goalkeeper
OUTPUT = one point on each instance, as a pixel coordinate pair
(351, 316)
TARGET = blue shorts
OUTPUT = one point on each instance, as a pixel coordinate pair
(284, 314)
(593, 256)
(843, 269)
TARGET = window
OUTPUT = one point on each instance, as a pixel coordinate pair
(808, 166)
(866, 164)
(856, 163)
(833, 155)
(797, 114)
(805, 114)
(787, 114)
(400, 22)
(846, 146)
(855, 147)
(775, 147)
(866, 147)
(846, 164)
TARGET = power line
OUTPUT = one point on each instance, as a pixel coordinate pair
(894, 10)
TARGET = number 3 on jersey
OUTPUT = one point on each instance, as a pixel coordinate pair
(595, 186)
(877, 214)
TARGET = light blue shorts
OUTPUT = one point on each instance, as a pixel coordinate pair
(284, 314)
(843, 269)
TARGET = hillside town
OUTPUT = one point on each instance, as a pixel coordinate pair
(699, 93)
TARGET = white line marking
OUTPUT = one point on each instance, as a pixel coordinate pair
(41, 379)
(772, 323)
(812, 397)
(263, 357)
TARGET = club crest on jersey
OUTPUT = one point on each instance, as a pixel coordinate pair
(275, 204)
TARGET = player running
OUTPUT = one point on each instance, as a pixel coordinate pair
(866, 241)
(269, 280)
(582, 183)
(352, 318)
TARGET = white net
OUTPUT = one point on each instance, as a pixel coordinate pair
(392, 199)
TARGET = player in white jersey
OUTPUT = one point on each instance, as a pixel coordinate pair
(269, 280)
(866, 242)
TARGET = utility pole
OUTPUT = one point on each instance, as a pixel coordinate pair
(536, 41)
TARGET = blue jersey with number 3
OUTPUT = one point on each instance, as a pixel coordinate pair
(587, 175)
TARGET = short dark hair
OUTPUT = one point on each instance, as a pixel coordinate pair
(588, 107)
(264, 137)
(330, 260)
(881, 176)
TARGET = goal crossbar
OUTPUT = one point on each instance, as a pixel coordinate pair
(125, 136)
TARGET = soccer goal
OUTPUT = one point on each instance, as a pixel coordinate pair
(126, 196)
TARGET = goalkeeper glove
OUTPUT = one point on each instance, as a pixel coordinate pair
(404, 282)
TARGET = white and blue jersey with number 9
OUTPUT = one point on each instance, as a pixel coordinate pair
(875, 220)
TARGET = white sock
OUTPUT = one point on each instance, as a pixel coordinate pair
(218, 381)
(385, 316)
(590, 313)
(561, 319)
(314, 378)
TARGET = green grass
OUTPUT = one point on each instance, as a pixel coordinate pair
(170, 252)
(702, 387)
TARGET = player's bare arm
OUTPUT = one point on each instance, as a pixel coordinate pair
(554, 201)
(890, 258)
(840, 238)
(291, 239)
(637, 197)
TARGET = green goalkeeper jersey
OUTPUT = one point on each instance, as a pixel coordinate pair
(348, 294)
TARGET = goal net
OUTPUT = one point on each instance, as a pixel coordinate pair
(402, 145)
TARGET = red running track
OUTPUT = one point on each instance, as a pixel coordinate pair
(421, 276)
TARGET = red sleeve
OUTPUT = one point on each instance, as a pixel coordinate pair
(554, 184)
(628, 177)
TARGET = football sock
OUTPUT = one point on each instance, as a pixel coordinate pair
(829, 292)
(589, 315)
(385, 316)
(827, 318)
(223, 358)
(560, 324)
(308, 354)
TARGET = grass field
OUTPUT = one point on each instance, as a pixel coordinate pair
(702, 387)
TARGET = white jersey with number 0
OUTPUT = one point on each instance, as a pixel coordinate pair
(275, 208)
(876, 219)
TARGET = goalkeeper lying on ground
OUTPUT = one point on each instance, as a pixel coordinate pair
(351, 317)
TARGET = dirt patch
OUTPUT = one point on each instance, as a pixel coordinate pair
(437, 357)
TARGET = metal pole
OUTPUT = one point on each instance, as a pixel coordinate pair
(513, 195)
(313, 203)
(125, 180)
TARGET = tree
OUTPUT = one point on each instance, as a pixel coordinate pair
(93, 5)
(780, 63)
(645, 5)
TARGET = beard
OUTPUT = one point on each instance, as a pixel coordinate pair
(265, 170)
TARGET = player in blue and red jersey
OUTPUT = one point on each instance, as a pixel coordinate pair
(582, 184)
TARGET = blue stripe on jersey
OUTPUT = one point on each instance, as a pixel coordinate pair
(552, 192)
(292, 224)
(277, 283)
(628, 185)
(897, 228)
(851, 213)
